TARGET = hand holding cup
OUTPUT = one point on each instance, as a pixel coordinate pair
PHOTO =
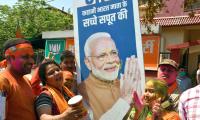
(76, 102)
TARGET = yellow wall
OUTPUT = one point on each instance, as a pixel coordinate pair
(170, 36)
(178, 35)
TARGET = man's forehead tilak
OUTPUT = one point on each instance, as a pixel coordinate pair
(19, 50)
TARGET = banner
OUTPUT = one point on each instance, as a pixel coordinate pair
(53, 48)
(70, 44)
(108, 46)
(113, 16)
(151, 46)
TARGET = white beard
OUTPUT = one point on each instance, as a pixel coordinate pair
(103, 75)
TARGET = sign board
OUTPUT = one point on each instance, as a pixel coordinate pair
(70, 44)
(151, 47)
(119, 18)
(55, 47)
(104, 21)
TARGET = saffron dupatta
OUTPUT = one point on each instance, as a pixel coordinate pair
(59, 99)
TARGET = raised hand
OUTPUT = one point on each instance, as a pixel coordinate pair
(156, 107)
(137, 101)
(49, 57)
(131, 80)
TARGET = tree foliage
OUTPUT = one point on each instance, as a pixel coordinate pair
(33, 17)
(151, 8)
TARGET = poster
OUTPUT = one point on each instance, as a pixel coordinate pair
(151, 46)
(116, 21)
(113, 16)
(54, 47)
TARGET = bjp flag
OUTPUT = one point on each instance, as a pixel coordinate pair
(18, 32)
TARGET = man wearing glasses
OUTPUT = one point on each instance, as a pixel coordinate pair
(101, 89)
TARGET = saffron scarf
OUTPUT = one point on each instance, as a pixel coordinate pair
(59, 98)
(172, 88)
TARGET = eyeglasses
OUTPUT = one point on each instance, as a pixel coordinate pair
(104, 56)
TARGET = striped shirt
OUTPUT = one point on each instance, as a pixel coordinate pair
(189, 104)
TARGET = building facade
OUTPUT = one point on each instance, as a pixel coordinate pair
(179, 31)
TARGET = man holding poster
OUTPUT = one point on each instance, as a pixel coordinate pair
(109, 34)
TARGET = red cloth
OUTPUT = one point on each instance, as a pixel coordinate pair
(167, 115)
(172, 88)
(3, 63)
(35, 82)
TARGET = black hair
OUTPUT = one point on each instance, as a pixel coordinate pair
(42, 70)
(14, 41)
(66, 54)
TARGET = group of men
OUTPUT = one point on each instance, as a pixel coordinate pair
(101, 90)
(20, 98)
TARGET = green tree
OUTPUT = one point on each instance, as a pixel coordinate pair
(33, 17)
(152, 7)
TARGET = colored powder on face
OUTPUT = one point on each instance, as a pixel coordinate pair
(17, 64)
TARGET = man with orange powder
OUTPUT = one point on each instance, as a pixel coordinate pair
(168, 71)
(19, 97)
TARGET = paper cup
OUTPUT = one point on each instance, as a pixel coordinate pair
(75, 101)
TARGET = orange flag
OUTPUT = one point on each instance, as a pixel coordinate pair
(18, 32)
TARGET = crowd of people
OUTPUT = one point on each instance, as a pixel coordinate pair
(46, 94)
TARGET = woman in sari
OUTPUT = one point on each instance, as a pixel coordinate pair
(155, 105)
(52, 104)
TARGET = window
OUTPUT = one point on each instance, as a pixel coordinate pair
(164, 55)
